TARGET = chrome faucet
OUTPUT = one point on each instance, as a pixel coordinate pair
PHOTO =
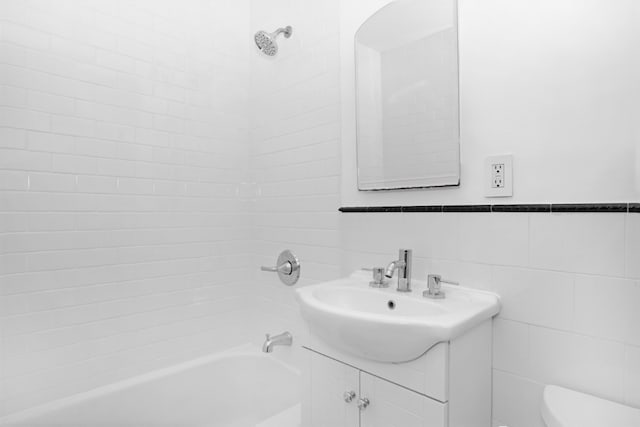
(284, 338)
(433, 287)
(403, 265)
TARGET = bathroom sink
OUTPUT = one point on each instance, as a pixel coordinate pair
(384, 325)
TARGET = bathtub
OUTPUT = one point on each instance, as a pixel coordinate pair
(240, 388)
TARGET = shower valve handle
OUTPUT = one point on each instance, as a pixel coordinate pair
(284, 268)
(287, 267)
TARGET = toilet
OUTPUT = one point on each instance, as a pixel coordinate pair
(567, 408)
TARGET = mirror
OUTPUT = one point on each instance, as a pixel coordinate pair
(407, 96)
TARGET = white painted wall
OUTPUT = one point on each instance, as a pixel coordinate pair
(123, 138)
(552, 82)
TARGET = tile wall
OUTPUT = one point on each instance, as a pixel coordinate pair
(295, 154)
(123, 233)
(570, 289)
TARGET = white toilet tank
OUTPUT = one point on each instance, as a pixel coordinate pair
(567, 408)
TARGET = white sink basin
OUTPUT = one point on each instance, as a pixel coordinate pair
(388, 326)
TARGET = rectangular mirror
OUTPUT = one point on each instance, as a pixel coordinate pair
(407, 96)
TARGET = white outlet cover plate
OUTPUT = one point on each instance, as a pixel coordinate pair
(507, 189)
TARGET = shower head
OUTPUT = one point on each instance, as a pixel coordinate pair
(266, 42)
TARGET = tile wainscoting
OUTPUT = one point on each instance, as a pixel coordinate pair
(569, 284)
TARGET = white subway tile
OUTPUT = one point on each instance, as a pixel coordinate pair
(12, 222)
(52, 182)
(633, 245)
(74, 164)
(73, 49)
(51, 103)
(579, 242)
(50, 221)
(112, 167)
(13, 263)
(46, 62)
(114, 132)
(586, 364)
(13, 305)
(96, 184)
(13, 180)
(152, 137)
(609, 317)
(13, 138)
(70, 259)
(13, 96)
(25, 119)
(494, 238)
(24, 160)
(511, 346)
(516, 400)
(115, 61)
(25, 36)
(50, 142)
(73, 125)
(525, 296)
(92, 36)
(135, 186)
(12, 54)
(95, 147)
(18, 76)
(632, 373)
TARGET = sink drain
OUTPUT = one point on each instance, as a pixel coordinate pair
(391, 304)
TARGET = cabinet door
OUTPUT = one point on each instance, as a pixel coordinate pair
(393, 406)
(325, 403)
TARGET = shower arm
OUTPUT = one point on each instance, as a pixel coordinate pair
(286, 31)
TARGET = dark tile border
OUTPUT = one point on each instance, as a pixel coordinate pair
(369, 209)
(467, 208)
(434, 208)
(521, 208)
(590, 207)
(556, 207)
(385, 209)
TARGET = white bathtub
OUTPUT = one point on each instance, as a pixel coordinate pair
(240, 389)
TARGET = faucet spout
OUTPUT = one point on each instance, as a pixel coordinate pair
(284, 338)
(403, 265)
(393, 265)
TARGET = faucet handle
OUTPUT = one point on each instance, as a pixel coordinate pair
(378, 277)
(433, 286)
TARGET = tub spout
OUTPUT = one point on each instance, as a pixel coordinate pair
(284, 338)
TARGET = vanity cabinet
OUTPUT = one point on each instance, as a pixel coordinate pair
(332, 392)
(343, 396)
(448, 386)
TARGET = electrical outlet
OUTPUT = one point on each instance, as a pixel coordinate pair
(499, 173)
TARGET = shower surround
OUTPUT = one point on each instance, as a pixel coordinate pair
(124, 230)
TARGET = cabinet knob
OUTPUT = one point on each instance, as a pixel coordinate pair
(363, 403)
(348, 396)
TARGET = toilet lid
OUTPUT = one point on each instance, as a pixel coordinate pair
(567, 408)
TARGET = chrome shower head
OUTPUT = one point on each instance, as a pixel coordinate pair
(266, 42)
